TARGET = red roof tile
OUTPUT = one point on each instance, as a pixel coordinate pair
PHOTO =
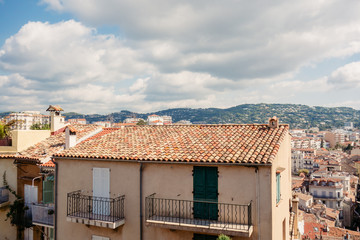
(250, 144)
(55, 143)
(54, 108)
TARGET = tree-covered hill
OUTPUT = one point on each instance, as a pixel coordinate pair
(298, 116)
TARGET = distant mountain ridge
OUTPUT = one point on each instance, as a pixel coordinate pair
(296, 115)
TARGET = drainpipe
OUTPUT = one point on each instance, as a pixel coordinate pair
(33, 180)
(56, 198)
(141, 202)
(258, 200)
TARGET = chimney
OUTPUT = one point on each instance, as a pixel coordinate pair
(56, 120)
(295, 208)
(273, 122)
(70, 137)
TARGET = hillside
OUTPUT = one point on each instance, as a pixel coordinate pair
(298, 116)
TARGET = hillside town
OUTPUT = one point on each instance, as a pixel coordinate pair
(155, 179)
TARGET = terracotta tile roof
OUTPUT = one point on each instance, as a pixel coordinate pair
(248, 144)
(48, 164)
(304, 197)
(55, 143)
(3, 156)
(297, 183)
(54, 108)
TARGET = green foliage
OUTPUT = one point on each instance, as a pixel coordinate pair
(16, 209)
(141, 122)
(297, 116)
(5, 129)
(38, 126)
(223, 237)
(305, 171)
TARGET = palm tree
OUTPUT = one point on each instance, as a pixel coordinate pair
(5, 129)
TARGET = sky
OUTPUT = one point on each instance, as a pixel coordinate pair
(104, 56)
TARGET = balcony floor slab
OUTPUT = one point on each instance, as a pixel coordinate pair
(93, 220)
(198, 225)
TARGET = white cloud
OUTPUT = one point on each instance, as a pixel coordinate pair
(230, 39)
(181, 54)
(53, 4)
(347, 76)
(69, 53)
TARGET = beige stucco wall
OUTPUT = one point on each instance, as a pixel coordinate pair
(77, 175)
(22, 139)
(237, 184)
(280, 211)
(6, 230)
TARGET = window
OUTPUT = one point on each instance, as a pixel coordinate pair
(48, 191)
(278, 194)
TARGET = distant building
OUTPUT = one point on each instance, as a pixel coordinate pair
(77, 120)
(349, 125)
(183, 122)
(337, 136)
(167, 119)
(103, 123)
(159, 120)
(329, 191)
(300, 160)
(24, 120)
(133, 120)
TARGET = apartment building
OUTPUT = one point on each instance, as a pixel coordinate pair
(7, 170)
(77, 120)
(29, 172)
(159, 120)
(36, 176)
(329, 191)
(300, 160)
(176, 182)
(24, 120)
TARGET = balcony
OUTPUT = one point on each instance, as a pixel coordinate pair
(325, 197)
(4, 197)
(199, 216)
(95, 211)
(43, 215)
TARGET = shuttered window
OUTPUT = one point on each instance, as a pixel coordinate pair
(205, 189)
(278, 193)
(48, 191)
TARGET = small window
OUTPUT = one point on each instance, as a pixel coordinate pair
(278, 194)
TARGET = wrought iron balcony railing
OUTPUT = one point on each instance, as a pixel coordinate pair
(91, 209)
(211, 217)
(43, 214)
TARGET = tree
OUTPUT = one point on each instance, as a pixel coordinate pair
(17, 211)
(305, 171)
(223, 237)
(5, 129)
(141, 122)
(39, 126)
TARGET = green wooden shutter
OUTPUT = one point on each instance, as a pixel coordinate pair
(51, 233)
(205, 189)
(278, 194)
(48, 191)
